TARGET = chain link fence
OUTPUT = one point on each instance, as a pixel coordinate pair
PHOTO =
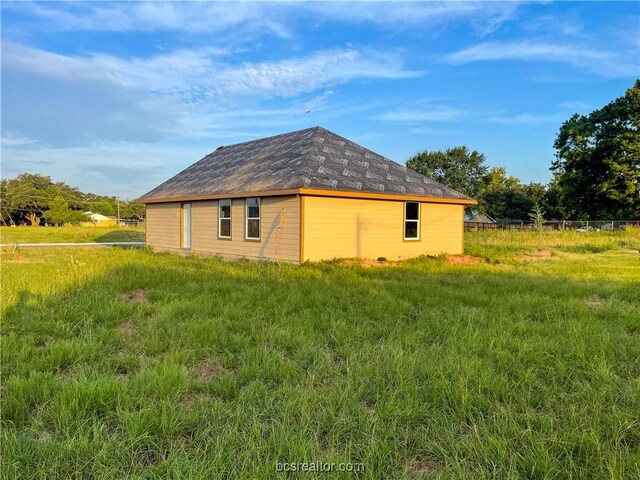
(577, 225)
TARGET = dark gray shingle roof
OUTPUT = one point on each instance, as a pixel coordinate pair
(313, 158)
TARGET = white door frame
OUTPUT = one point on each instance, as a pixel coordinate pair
(185, 234)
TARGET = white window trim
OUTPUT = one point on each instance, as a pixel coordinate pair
(404, 224)
(220, 217)
(247, 218)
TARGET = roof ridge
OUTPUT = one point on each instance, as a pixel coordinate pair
(266, 138)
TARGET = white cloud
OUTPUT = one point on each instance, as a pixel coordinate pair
(434, 131)
(575, 105)
(197, 73)
(484, 17)
(279, 18)
(434, 113)
(10, 139)
(526, 119)
(523, 51)
(73, 100)
(317, 102)
(603, 62)
(209, 17)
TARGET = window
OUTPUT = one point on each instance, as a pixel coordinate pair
(411, 221)
(253, 219)
(224, 218)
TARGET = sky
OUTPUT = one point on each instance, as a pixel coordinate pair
(117, 97)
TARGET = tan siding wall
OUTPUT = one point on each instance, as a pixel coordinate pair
(204, 230)
(347, 227)
(162, 224)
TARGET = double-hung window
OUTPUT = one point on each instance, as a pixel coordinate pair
(411, 221)
(224, 218)
(252, 227)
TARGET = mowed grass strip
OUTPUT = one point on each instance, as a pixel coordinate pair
(124, 363)
(70, 234)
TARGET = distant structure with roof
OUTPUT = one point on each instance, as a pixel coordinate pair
(304, 195)
(99, 219)
(479, 217)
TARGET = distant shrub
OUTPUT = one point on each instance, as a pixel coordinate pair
(537, 217)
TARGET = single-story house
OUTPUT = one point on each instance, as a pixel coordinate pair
(304, 195)
(99, 219)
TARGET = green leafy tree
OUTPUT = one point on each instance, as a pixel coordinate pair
(104, 205)
(5, 214)
(536, 192)
(597, 166)
(455, 167)
(76, 217)
(27, 197)
(552, 202)
(58, 212)
(504, 197)
(132, 210)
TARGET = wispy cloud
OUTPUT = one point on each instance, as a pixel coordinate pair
(434, 131)
(10, 139)
(603, 62)
(279, 18)
(317, 102)
(436, 113)
(199, 73)
(576, 105)
(484, 17)
(107, 98)
(526, 119)
(210, 17)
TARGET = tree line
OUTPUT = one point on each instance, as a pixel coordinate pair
(596, 171)
(34, 199)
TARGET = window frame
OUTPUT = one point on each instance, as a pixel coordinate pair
(220, 218)
(416, 221)
(247, 218)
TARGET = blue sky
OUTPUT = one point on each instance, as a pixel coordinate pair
(116, 97)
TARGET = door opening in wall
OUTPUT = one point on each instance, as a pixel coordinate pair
(185, 237)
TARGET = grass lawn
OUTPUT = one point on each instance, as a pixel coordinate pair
(122, 363)
(70, 234)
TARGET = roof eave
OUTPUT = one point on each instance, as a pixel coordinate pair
(387, 196)
(313, 192)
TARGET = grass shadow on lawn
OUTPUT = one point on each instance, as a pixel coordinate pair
(121, 235)
(222, 368)
(70, 234)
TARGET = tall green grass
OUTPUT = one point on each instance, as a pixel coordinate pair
(506, 245)
(130, 364)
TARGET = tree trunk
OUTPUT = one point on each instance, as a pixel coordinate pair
(33, 218)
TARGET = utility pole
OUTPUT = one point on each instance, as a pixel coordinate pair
(118, 199)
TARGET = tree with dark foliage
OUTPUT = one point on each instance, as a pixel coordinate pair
(456, 167)
(597, 166)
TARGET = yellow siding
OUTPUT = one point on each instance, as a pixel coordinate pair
(163, 225)
(348, 227)
(283, 244)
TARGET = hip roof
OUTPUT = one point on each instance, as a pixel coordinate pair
(313, 159)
